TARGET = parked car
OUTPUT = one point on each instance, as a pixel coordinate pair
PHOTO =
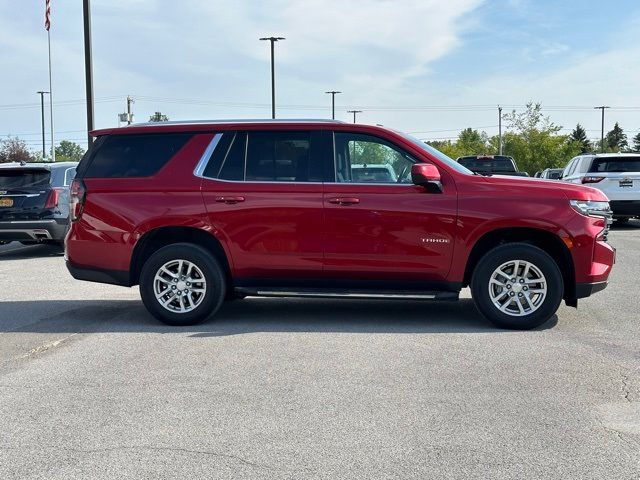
(491, 165)
(198, 212)
(617, 175)
(552, 173)
(34, 201)
(376, 173)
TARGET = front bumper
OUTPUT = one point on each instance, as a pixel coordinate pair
(625, 208)
(33, 230)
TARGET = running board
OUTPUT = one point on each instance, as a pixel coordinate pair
(353, 294)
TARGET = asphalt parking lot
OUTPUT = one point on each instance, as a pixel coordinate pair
(91, 386)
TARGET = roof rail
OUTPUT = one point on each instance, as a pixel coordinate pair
(242, 120)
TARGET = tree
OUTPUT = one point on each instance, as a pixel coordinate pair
(445, 146)
(158, 117)
(579, 137)
(472, 142)
(69, 151)
(534, 141)
(616, 139)
(636, 143)
(13, 149)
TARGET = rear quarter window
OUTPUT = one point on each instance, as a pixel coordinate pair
(134, 155)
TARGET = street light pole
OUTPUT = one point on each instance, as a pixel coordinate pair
(88, 67)
(355, 112)
(129, 115)
(500, 128)
(333, 102)
(603, 107)
(273, 40)
(41, 93)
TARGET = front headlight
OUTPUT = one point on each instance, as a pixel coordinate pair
(591, 208)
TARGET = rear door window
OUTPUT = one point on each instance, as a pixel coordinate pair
(22, 178)
(615, 164)
(278, 157)
(134, 155)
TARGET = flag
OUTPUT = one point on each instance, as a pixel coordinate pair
(47, 15)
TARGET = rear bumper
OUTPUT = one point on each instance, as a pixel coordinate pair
(584, 290)
(114, 277)
(33, 230)
(625, 208)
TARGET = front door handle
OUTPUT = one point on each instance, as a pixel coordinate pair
(229, 200)
(344, 200)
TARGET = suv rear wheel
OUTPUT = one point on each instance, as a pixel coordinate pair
(517, 286)
(182, 284)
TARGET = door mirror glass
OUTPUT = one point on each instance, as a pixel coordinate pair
(426, 175)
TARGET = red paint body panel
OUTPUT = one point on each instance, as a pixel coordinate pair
(276, 231)
(289, 230)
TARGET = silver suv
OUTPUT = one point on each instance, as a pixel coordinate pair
(615, 174)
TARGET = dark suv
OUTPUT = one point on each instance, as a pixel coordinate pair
(198, 212)
(34, 201)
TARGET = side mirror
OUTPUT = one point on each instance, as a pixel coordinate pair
(426, 175)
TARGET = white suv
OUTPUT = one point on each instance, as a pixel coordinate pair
(616, 174)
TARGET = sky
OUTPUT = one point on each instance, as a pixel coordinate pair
(428, 67)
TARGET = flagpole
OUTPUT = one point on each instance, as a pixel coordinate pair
(53, 145)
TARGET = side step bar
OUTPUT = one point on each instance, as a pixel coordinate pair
(353, 294)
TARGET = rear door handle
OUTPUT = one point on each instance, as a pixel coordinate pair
(344, 200)
(229, 200)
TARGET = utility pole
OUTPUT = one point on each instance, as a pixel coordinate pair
(355, 112)
(273, 40)
(603, 107)
(41, 93)
(88, 67)
(333, 102)
(500, 129)
(129, 114)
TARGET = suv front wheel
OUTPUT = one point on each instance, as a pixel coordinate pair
(182, 284)
(517, 286)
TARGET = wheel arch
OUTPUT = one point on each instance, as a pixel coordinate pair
(547, 241)
(160, 237)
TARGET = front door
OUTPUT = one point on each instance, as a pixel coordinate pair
(379, 226)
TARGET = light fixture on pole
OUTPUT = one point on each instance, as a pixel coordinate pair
(42, 93)
(333, 102)
(273, 40)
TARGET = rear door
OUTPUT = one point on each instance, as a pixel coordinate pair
(386, 230)
(263, 194)
(23, 192)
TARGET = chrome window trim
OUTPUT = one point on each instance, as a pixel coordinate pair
(66, 172)
(204, 159)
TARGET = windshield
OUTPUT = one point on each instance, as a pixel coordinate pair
(23, 179)
(615, 164)
(436, 153)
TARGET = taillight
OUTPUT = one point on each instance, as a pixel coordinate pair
(53, 198)
(76, 199)
(592, 179)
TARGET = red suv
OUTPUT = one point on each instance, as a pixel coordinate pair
(196, 213)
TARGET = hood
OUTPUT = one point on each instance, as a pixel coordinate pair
(551, 188)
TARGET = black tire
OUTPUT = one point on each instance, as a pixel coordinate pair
(213, 274)
(621, 220)
(517, 251)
